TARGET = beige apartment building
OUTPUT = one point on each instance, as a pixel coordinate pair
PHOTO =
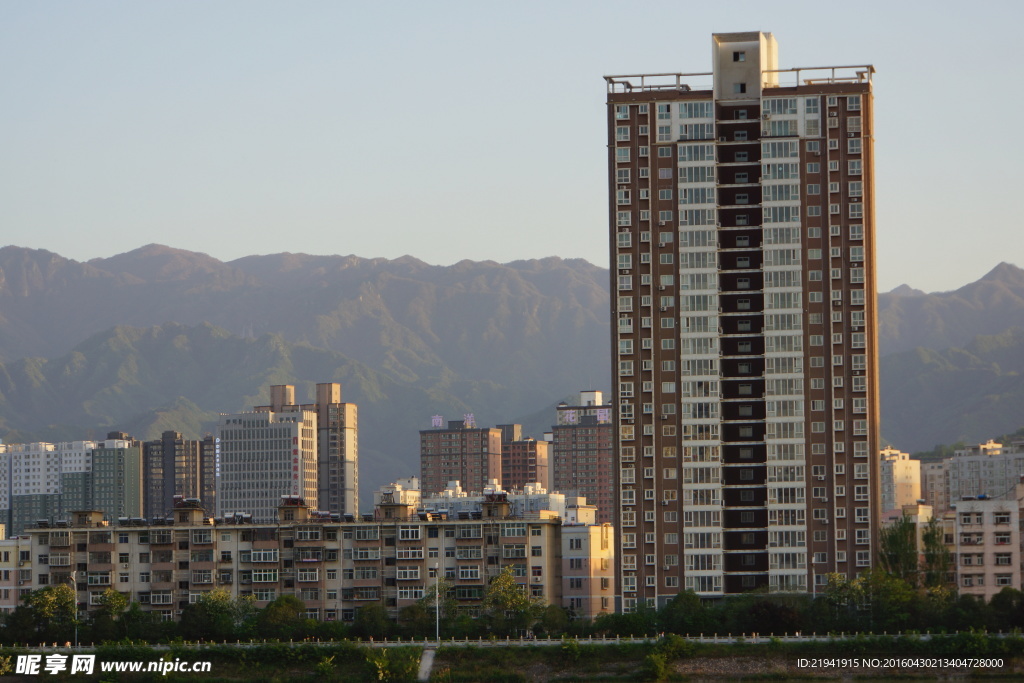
(900, 477)
(15, 570)
(335, 564)
(935, 485)
(986, 543)
(588, 565)
(337, 448)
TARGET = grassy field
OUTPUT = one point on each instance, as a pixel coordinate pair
(668, 659)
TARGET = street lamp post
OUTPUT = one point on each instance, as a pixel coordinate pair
(74, 583)
(437, 604)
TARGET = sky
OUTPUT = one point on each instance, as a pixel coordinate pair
(461, 130)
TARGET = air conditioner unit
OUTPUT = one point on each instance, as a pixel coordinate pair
(766, 116)
(662, 222)
(667, 568)
(538, 579)
(851, 135)
(664, 308)
(833, 113)
(125, 565)
(661, 245)
(821, 477)
(721, 138)
(664, 502)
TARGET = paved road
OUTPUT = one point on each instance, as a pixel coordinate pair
(426, 664)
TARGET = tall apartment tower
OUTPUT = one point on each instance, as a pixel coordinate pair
(176, 466)
(337, 443)
(583, 463)
(745, 354)
(461, 451)
(116, 481)
(524, 461)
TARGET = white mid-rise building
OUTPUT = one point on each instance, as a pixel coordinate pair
(990, 469)
(36, 480)
(530, 500)
(262, 456)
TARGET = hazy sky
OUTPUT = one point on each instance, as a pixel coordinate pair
(461, 130)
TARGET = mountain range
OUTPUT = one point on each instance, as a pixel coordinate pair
(160, 338)
(909, 318)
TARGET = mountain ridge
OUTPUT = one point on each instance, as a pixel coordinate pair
(497, 339)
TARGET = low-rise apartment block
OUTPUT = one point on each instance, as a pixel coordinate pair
(334, 563)
(15, 570)
(986, 543)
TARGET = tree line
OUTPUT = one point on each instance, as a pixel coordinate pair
(49, 615)
(910, 590)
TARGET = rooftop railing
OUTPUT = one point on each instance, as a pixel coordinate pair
(805, 75)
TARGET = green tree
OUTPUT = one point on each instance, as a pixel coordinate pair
(643, 620)
(441, 593)
(105, 625)
(886, 599)
(282, 618)
(416, 620)
(898, 550)
(507, 606)
(19, 625)
(145, 625)
(212, 617)
(935, 563)
(685, 614)
(372, 621)
(1007, 607)
(113, 603)
(554, 620)
(842, 601)
(54, 611)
